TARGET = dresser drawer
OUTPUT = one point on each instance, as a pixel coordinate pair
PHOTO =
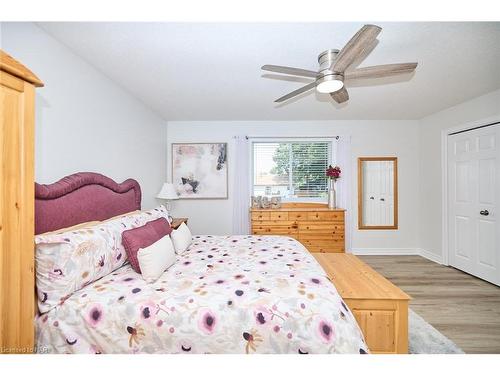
(326, 215)
(270, 226)
(279, 215)
(274, 223)
(277, 231)
(321, 236)
(298, 215)
(259, 215)
(321, 226)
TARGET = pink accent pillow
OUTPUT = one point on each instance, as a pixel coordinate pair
(139, 238)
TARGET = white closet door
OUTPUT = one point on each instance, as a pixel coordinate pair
(474, 202)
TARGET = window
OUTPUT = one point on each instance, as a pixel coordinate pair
(291, 170)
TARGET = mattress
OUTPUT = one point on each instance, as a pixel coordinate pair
(225, 294)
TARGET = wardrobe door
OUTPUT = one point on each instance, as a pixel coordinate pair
(16, 214)
(474, 202)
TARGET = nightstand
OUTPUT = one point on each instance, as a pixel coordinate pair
(177, 221)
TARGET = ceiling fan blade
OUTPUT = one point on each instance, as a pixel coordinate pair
(289, 70)
(379, 71)
(296, 92)
(355, 47)
(340, 96)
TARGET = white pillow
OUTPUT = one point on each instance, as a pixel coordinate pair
(156, 258)
(181, 237)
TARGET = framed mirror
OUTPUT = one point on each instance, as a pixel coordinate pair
(378, 193)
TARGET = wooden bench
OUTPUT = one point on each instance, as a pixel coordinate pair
(380, 307)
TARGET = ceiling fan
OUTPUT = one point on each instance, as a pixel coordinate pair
(333, 65)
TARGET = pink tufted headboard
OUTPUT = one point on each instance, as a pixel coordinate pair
(82, 197)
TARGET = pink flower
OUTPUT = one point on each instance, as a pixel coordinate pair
(325, 331)
(262, 315)
(207, 321)
(148, 310)
(333, 172)
(95, 315)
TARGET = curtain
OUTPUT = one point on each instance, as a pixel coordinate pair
(241, 200)
(344, 184)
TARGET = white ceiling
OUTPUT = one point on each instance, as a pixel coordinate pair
(195, 71)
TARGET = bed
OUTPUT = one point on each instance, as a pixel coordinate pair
(224, 294)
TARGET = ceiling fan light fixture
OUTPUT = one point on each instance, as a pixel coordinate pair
(334, 67)
(330, 83)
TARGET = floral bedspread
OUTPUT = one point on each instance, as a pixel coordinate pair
(225, 294)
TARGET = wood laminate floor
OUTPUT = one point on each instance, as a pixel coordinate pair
(462, 307)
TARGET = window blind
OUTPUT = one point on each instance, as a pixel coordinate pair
(291, 170)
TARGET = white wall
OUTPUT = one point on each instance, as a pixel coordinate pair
(84, 121)
(368, 138)
(430, 164)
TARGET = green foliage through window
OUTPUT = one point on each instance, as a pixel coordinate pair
(291, 169)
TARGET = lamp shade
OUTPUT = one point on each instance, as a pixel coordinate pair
(167, 192)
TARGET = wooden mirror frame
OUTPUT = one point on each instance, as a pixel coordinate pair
(360, 193)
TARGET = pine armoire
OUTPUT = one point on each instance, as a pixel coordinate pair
(17, 284)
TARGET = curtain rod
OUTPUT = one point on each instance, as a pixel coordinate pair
(281, 136)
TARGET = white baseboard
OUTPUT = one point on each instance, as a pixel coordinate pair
(398, 251)
(431, 256)
(385, 251)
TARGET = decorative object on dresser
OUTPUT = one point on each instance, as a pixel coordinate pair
(256, 201)
(380, 307)
(177, 221)
(378, 193)
(317, 227)
(17, 143)
(276, 202)
(199, 170)
(333, 174)
(265, 202)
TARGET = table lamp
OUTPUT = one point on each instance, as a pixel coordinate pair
(167, 193)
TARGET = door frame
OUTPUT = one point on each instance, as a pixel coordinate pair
(444, 176)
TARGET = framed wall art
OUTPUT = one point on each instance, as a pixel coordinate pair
(199, 170)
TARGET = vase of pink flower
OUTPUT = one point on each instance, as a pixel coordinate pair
(333, 174)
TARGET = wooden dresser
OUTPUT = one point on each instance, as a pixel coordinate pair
(17, 203)
(317, 227)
